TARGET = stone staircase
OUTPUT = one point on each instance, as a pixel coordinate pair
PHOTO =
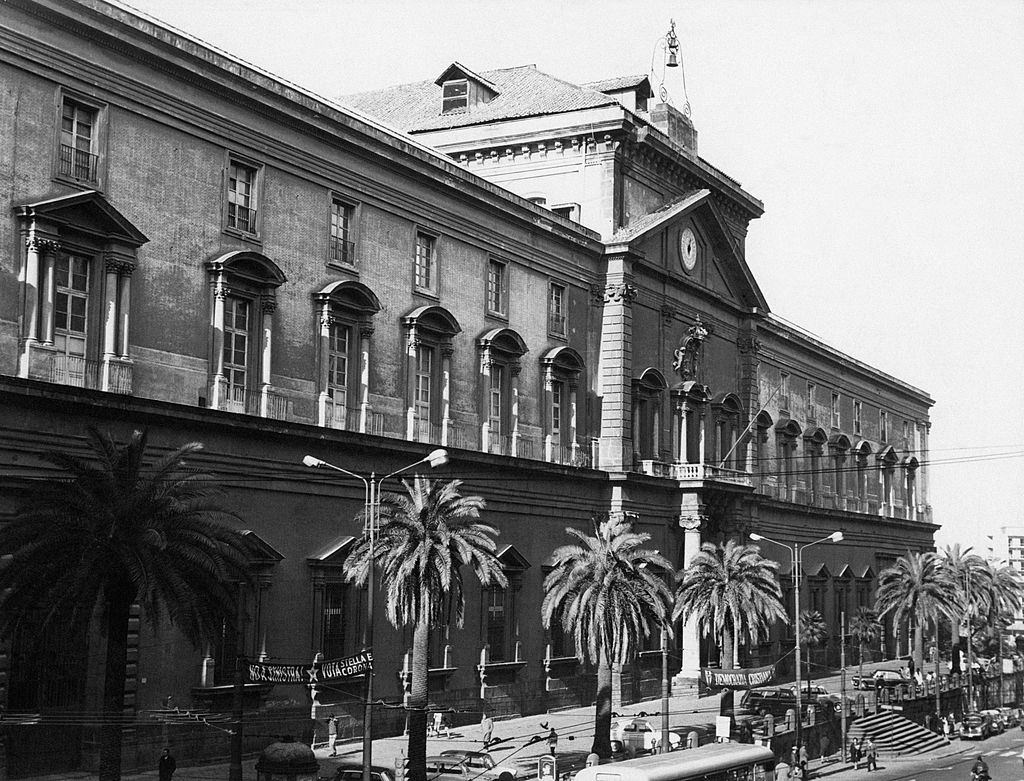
(895, 736)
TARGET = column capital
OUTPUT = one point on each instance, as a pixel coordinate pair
(268, 304)
(622, 292)
(365, 330)
(447, 350)
(40, 244)
(692, 522)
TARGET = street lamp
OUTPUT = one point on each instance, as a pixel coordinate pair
(795, 551)
(371, 484)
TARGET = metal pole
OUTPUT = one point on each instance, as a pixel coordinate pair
(842, 678)
(796, 599)
(371, 518)
(938, 687)
(238, 690)
(970, 671)
(664, 690)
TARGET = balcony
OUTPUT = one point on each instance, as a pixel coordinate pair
(262, 402)
(113, 376)
(77, 163)
(344, 418)
(343, 252)
(711, 473)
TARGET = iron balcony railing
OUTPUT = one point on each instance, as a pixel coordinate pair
(351, 419)
(241, 218)
(262, 402)
(81, 372)
(78, 163)
(712, 473)
(343, 251)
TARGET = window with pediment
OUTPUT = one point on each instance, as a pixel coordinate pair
(561, 369)
(815, 441)
(501, 610)
(648, 409)
(346, 310)
(429, 331)
(500, 352)
(339, 607)
(787, 434)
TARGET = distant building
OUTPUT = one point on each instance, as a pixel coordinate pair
(543, 278)
(1007, 547)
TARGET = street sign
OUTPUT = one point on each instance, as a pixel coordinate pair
(723, 727)
(547, 768)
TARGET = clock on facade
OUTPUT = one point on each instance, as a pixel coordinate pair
(687, 249)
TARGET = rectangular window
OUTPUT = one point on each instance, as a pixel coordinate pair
(71, 304)
(342, 620)
(835, 410)
(497, 288)
(424, 377)
(78, 141)
(812, 410)
(784, 390)
(426, 262)
(906, 434)
(856, 417)
(454, 96)
(556, 413)
(556, 310)
(242, 197)
(883, 426)
(237, 317)
(496, 401)
(339, 343)
(342, 246)
(499, 624)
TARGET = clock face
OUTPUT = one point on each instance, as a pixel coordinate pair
(687, 249)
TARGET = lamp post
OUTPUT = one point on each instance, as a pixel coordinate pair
(372, 484)
(795, 551)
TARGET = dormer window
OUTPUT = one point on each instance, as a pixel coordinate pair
(454, 96)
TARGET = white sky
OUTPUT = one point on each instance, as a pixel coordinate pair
(885, 138)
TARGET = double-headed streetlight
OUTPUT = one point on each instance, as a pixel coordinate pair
(795, 551)
(371, 484)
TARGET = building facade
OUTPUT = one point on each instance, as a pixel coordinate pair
(198, 248)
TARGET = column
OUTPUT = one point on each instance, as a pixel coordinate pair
(616, 367)
(49, 293)
(922, 474)
(124, 307)
(689, 640)
(365, 332)
(549, 404)
(410, 384)
(446, 392)
(701, 435)
(515, 369)
(731, 462)
(684, 433)
(110, 310)
(29, 282)
(268, 407)
(325, 409)
(484, 385)
(658, 400)
(220, 293)
(573, 444)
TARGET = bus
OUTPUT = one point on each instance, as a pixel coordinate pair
(711, 762)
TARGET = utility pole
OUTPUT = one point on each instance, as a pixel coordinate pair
(238, 689)
(970, 670)
(842, 677)
(938, 687)
(664, 689)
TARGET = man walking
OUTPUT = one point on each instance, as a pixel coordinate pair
(487, 727)
(166, 766)
(332, 735)
(870, 754)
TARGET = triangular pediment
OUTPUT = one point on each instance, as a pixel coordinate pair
(846, 572)
(333, 553)
(261, 551)
(511, 559)
(86, 212)
(457, 71)
(716, 265)
(820, 572)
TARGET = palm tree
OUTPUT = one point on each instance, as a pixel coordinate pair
(1002, 595)
(916, 587)
(866, 628)
(112, 532)
(609, 592)
(962, 566)
(733, 591)
(813, 632)
(426, 538)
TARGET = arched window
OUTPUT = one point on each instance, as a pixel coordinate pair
(689, 418)
(429, 332)
(75, 286)
(346, 311)
(910, 466)
(726, 411)
(648, 401)
(887, 460)
(839, 450)
(861, 453)
(787, 432)
(762, 462)
(815, 440)
(500, 351)
(243, 288)
(561, 368)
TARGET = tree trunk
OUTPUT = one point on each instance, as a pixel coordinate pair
(955, 652)
(118, 609)
(603, 708)
(418, 698)
(919, 645)
(725, 655)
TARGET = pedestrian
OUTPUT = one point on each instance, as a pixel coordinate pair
(911, 666)
(804, 756)
(870, 754)
(794, 757)
(166, 766)
(552, 741)
(855, 752)
(332, 735)
(487, 728)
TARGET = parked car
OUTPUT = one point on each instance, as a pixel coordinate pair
(635, 735)
(822, 696)
(480, 760)
(976, 726)
(1011, 717)
(778, 700)
(352, 770)
(890, 679)
(444, 768)
(998, 725)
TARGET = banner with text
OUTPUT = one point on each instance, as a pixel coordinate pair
(735, 679)
(318, 672)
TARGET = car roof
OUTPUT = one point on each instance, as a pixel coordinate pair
(354, 764)
(462, 752)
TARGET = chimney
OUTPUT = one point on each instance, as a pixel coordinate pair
(677, 126)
